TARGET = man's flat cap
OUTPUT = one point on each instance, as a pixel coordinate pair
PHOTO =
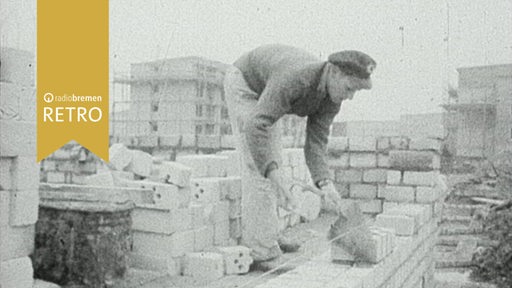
(353, 63)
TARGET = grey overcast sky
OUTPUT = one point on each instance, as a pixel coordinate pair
(417, 43)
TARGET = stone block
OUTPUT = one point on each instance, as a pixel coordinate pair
(383, 144)
(18, 66)
(398, 143)
(365, 144)
(221, 233)
(382, 161)
(375, 176)
(172, 173)
(204, 265)
(149, 218)
(373, 206)
(427, 194)
(203, 238)
(16, 273)
(363, 160)
(104, 178)
(163, 245)
(141, 163)
(425, 144)
(220, 212)
(168, 265)
(200, 215)
(205, 165)
(403, 225)
(233, 166)
(19, 101)
(55, 177)
(428, 179)
(24, 207)
(337, 144)
(235, 208)
(237, 259)
(167, 196)
(397, 193)
(414, 160)
(206, 190)
(120, 156)
(394, 177)
(363, 191)
(349, 176)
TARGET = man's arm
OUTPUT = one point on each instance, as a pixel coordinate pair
(272, 105)
(315, 149)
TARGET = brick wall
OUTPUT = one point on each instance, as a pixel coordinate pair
(19, 171)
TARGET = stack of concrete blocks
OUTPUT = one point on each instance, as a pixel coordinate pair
(218, 262)
(19, 170)
(379, 172)
(70, 164)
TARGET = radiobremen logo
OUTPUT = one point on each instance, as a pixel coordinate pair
(71, 113)
(72, 75)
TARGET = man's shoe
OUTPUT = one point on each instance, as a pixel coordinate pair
(288, 244)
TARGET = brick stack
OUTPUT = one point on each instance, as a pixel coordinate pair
(19, 171)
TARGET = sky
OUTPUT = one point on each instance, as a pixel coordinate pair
(417, 44)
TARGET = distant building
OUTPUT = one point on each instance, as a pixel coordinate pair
(179, 96)
(482, 110)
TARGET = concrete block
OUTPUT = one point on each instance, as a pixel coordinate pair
(397, 193)
(18, 101)
(375, 176)
(16, 273)
(403, 225)
(16, 242)
(235, 208)
(104, 178)
(168, 265)
(425, 144)
(124, 175)
(362, 143)
(148, 141)
(383, 144)
(341, 254)
(310, 205)
(141, 163)
(363, 160)
(205, 165)
(221, 233)
(203, 238)
(24, 207)
(6, 173)
(233, 187)
(427, 194)
(414, 160)
(235, 228)
(338, 161)
(206, 190)
(18, 66)
(428, 179)
(398, 143)
(363, 191)
(373, 206)
(55, 177)
(228, 141)
(25, 173)
(120, 156)
(386, 206)
(337, 144)
(199, 214)
(349, 176)
(237, 259)
(167, 196)
(220, 212)
(421, 213)
(163, 245)
(204, 265)
(382, 161)
(172, 173)
(234, 162)
(149, 218)
(394, 177)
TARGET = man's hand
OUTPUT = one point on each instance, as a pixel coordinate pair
(331, 200)
(286, 199)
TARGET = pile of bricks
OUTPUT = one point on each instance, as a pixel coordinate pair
(19, 171)
(70, 164)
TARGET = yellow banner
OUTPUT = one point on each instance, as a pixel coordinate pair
(72, 75)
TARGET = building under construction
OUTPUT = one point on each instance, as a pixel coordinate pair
(483, 111)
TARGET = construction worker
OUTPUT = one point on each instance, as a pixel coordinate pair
(262, 86)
